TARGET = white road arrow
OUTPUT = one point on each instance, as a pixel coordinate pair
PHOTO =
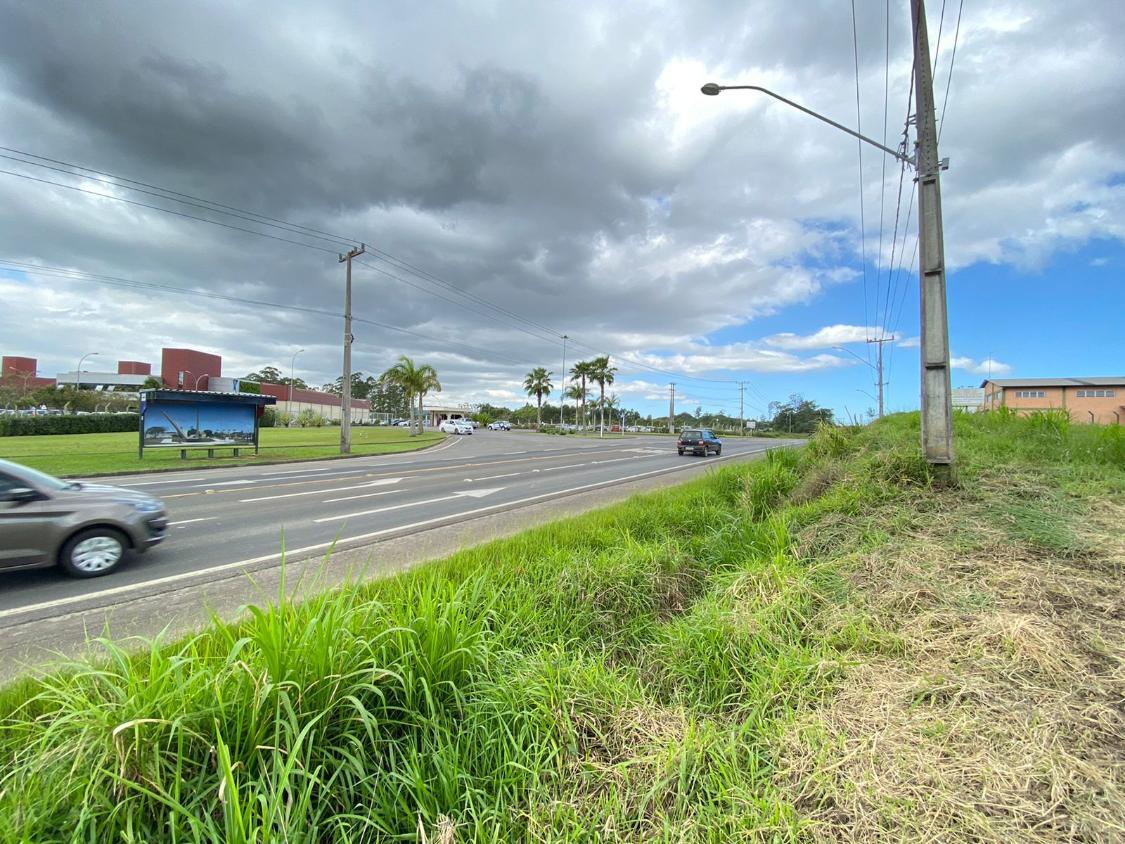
(474, 493)
(380, 482)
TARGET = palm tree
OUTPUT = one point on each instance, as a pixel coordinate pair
(581, 371)
(415, 381)
(577, 394)
(601, 373)
(538, 384)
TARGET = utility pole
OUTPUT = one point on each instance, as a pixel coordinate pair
(937, 394)
(346, 384)
(672, 408)
(562, 398)
(879, 367)
(742, 407)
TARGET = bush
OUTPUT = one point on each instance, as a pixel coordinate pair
(96, 423)
(250, 387)
(309, 418)
(269, 418)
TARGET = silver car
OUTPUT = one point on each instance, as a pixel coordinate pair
(85, 529)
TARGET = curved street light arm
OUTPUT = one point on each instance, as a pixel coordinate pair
(712, 89)
(854, 355)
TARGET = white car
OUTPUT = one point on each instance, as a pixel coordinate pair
(500, 425)
(455, 426)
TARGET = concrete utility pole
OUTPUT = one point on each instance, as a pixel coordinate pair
(879, 368)
(562, 398)
(742, 408)
(937, 394)
(346, 385)
(672, 408)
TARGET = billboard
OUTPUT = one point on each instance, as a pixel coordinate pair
(197, 424)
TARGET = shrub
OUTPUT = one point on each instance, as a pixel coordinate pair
(269, 418)
(95, 423)
(309, 418)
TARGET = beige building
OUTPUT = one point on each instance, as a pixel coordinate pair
(1099, 400)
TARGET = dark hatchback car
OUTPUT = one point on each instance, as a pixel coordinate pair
(85, 529)
(698, 441)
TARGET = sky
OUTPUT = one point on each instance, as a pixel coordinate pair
(523, 171)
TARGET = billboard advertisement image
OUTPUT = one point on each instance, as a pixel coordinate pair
(178, 424)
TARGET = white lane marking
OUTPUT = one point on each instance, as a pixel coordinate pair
(314, 477)
(190, 521)
(614, 460)
(494, 477)
(336, 543)
(380, 482)
(517, 452)
(142, 483)
(225, 483)
(475, 493)
(571, 466)
(352, 497)
(299, 471)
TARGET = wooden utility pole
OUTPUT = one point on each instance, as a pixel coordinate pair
(879, 368)
(346, 384)
(937, 394)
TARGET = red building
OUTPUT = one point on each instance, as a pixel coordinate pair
(188, 369)
(133, 367)
(20, 372)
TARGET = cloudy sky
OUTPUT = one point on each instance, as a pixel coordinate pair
(533, 169)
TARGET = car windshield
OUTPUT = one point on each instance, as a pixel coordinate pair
(35, 476)
(692, 435)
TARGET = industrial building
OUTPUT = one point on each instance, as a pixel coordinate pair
(184, 369)
(1099, 400)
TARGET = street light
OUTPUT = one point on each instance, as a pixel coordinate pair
(712, 89)
(292, 372)
(78, 374)
(197, 380)
(562, 397)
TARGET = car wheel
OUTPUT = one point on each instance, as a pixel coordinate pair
(93, 552)
(680, 451)
(718, 451)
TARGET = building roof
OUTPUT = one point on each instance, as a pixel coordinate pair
(1096, 381)
(204, 395)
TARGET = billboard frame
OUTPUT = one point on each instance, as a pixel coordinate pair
(196, 398)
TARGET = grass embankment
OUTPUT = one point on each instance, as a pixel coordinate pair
(816, 646)
(90, 454)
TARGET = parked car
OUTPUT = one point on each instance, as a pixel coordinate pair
(698, 441)
(500, 425)
(404, 423)
(455, 426)
(85, 529)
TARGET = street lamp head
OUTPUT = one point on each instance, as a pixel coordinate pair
(711, 89)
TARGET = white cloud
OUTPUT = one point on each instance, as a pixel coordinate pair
(909, 343)
(830, 335)
(988, 366)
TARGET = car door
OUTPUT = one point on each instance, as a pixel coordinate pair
(24, 527)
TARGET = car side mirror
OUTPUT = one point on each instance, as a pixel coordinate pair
(19, 493)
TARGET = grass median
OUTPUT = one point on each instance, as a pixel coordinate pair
(820, 645)
(94, 454)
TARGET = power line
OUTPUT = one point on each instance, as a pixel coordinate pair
(859, 147)
(165, 210)
(952, 59)
(164, 193)
(116, 281)
(883, 159)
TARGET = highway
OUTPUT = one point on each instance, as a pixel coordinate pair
(225, 523)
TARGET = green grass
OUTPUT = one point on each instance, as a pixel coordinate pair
(91, 454)
(667, 669)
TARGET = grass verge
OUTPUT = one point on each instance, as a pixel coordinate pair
(104, 454)
(818, 646)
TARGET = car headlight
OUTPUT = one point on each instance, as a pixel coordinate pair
(148, 506)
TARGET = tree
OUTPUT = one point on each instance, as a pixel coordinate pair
(152, 383)
(538, 383)
(798, 415)
(415, 380)
(267, 375)
(578, 394)
(601, 373)
(581, 372)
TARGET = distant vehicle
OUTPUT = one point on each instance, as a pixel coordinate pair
(87, 530)
(699, 441)
(403, 423)
(455, 426)
(500, 425)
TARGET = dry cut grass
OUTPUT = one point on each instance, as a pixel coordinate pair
(998, 711)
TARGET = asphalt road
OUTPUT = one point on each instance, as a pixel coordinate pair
(228, 522)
